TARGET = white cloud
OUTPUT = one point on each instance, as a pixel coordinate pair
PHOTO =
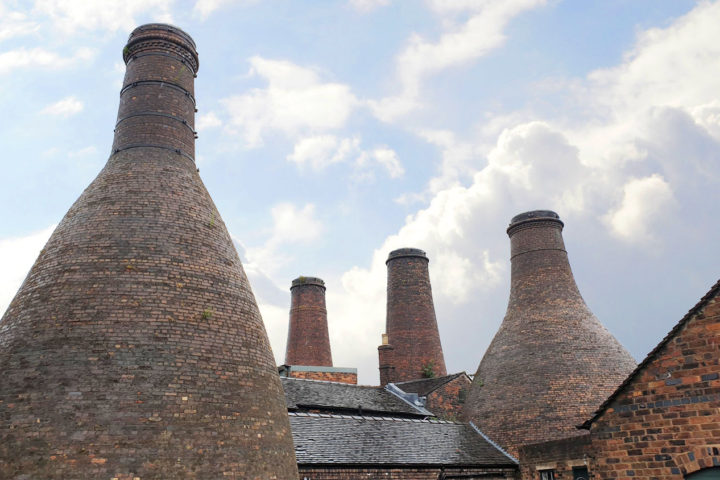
(295, 102)
(17, 255)
(207, 121)
(291, 226)
(83, 152)
(204, 8)
(15, 24)
(321, 151)
(366, 6)
(644, 202)
(389, 160)
(73, 15)
(39, 57)
(460, 44)
(66, 107)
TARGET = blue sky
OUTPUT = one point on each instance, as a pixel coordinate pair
(333, 132)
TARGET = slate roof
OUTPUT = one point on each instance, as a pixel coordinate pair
(302, 394)
(354, 440)
(712, 293)
(427, 385)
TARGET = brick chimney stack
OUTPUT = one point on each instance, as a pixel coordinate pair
(308, 339)
(411, 346)
(552, 362)
(134, 347)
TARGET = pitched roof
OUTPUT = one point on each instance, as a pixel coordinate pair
(302, 394)
(712, 293)
(427, 385)
(355, 440)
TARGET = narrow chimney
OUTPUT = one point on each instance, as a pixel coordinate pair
(135, 348)
(551, 363)
(308, 340)
(411, 347)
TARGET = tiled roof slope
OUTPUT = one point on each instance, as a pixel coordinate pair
(355, 440)
(301, 394)
(712, 293)
(426, 385)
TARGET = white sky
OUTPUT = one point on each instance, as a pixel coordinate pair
(333, 132)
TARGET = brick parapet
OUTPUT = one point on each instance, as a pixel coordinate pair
(325, 374)
(551, 363)
(134, 347)
(447, 401)
(561, 456)
(413, 339)
(308, 340)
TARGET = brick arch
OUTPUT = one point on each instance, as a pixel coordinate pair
(698, 458)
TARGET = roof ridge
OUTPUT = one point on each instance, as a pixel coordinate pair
(699, 306)
(375, 418)
(330, 381)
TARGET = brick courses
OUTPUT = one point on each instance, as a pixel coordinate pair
(664, 422)
(411, 326)
(135, 348)
(551, 363)
(308, 340)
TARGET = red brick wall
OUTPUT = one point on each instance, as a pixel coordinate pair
(341, 377)
(308, 339)
(666, 422)
(411, 324)
(372, 473)
(447, 401)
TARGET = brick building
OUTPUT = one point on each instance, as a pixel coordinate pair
(444, 396)
(662, 422)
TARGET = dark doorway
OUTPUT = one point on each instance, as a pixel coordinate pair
(580, 473)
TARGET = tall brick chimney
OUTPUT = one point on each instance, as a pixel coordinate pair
(308, 339)
(134, 347)
(552, 362)
(411, 347)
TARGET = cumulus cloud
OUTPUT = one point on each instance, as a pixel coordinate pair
(39, 57)
(291, 226)
(644, 201)
(459, 44)
(73, 15)
(321, 151)
(66, 107)
(204, 8)
(15, 24)
(17, 255)
(295, 102)
(207, 121)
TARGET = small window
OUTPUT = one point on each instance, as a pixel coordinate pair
(580, 473)
(547, 474)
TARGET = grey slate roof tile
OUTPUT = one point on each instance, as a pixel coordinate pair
(301, 394)
(348, 440)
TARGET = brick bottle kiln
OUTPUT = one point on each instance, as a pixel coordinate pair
(135, 347)
(551, 363)
(411, 347)
(308, 339)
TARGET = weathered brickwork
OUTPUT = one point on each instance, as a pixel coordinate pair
(135, 348)
(308, 340)
(412, 332)
(341, 377)
(665, 421)
(551, 363)
(561, 456)
(447, 400)
(401, 473)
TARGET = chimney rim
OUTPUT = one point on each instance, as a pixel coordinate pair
(526, 219)
(303, 280)
(406, 252)
(166, 32)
